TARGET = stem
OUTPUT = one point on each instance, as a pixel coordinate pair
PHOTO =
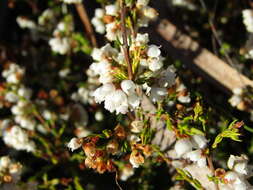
(42, 121)
(124, 36)
(210, 164)
(86, 22)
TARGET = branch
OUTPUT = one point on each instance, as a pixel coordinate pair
(124, 36)
(86, 22)
(210, 164)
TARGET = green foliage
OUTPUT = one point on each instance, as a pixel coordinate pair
(186, 176)
(231, 132)
(83, 44)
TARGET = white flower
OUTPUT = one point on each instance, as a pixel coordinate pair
(111, 31)
(141, 3)
(183, 146)
(126, 172)
(117, 101)
(4, 162)
(96, 54)
(99, 116)
(100, 29)
(25, 23)
(149, 13)
(99, 13)
(137, 126)
(47, 15)
(141, 39)
(248, 19)
(184, 99)
(82, 132)
(60, 45)
(11, 97)
(167, 77)
(25, 122)
(155, 64)
(235, 100)
(98, 24)
(136, 159)
(18, 139)
(238, 164)
(72, 1)
(153, 51)
(128, 86)
(184, 3)
(237, 91)
(12, 78)
(64, 72)
(200, 141)
(16, 110)
(111, 10)
(134, 100)
(25, 92)
(133, 138)
(103, 91)
(234, 182)
(196, 156)
(101, 68)
(158, 94)
(48, 115)
(74, 144)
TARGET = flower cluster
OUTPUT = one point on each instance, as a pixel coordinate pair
(183, 148)
(248, 19)
(24, 23)
(111, 68)
(17, 96)
(107, 21)
(10, 172)
(236, 178)
(118, 100)
(60, 43)
(236, 99)
(72, 1)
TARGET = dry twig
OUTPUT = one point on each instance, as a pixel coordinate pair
(86, 22)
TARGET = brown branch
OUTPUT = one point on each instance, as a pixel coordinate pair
(86, 22)
(124, 36)
(42, 121)
(210, 164)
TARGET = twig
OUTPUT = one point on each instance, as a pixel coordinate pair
(42, 121)
(86, 22)
(116, 181)
(216, 36)
(210, 164)
(124, 36)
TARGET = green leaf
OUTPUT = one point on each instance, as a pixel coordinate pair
(232, 132)
(77, 184)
